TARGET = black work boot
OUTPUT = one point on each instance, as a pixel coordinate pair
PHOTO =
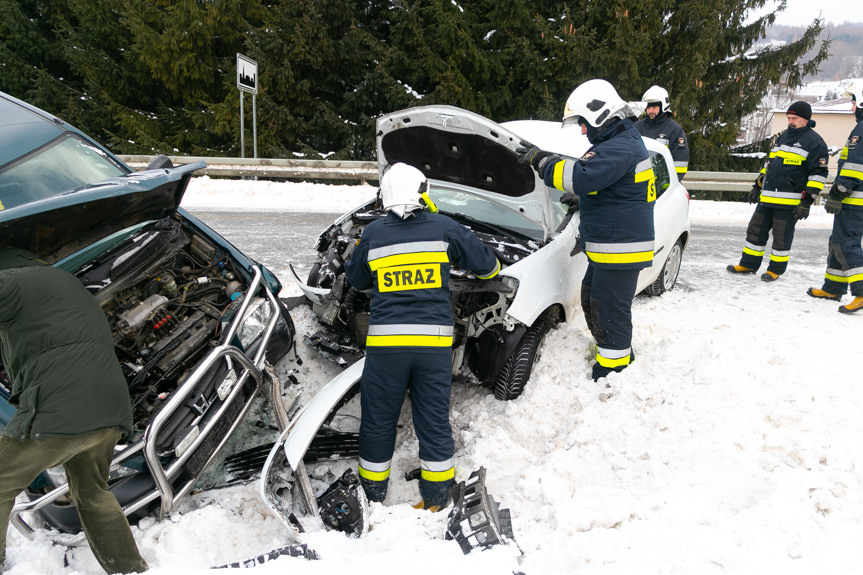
(769, 276)
(740, 270)
(375, 490)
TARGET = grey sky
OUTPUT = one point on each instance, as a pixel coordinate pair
(802, 12)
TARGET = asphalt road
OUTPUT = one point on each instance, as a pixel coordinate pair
(277, 238)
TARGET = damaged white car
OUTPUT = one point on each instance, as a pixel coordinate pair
(474, 178)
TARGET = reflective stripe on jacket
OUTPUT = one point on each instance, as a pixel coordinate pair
(616, 187)
(797, 164)
(406, 264)
(850, 174)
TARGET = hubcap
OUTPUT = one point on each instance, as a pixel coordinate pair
(672, 267)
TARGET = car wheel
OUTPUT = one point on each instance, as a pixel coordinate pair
(513, 376)
(668, 276)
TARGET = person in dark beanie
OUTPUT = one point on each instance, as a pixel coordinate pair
(71, 399)
(789, 183)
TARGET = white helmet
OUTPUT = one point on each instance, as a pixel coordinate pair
(855, 90)
(402, 187)
(657, 95)
(596, 102)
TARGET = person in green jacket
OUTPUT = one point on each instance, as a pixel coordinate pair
(71, 399)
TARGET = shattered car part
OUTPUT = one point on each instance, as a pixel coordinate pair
(476, 520)
(344, 507)
(285, 484)
(299, 550)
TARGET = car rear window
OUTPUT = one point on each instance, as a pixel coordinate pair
(63, 165)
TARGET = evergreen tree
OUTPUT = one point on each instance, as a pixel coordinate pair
(151, 76)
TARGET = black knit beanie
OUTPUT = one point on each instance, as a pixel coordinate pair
(800, 108)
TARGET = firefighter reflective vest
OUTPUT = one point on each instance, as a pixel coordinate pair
(797, 164)
(616, 188)
(406, 263)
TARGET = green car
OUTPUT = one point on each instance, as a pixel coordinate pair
(196, 322)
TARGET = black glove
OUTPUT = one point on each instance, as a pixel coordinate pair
(801, 212)
(533, 156)
(754, 194)
(571, 200)
(833, 203)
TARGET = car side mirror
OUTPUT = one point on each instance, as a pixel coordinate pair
(160, 162)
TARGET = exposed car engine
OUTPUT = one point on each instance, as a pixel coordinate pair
(479, 306)
(165, 293)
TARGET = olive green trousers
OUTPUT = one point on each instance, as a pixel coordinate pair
(86, 459)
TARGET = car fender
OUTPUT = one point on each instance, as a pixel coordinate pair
(551, 275)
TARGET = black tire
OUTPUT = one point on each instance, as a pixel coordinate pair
(314, 275)
(515, 373)
(670, 269)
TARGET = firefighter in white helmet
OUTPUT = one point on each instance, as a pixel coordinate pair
(405, 259)
(616, 189)
(845, 202)
(658, 123)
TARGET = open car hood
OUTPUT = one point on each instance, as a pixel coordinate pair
(453, 145)
(58, 226)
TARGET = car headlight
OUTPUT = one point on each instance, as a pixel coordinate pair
(510, 282)
(57, 475)
(254, 322)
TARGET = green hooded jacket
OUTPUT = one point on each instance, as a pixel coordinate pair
(58, 352)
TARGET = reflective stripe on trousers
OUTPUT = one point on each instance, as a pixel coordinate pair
(437, 470)
(374, 471)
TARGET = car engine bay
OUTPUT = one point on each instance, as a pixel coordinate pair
(165, 292)
(479, 306)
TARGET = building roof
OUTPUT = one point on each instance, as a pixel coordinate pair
(837, 106)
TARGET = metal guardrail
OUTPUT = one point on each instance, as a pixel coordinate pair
(271, 167)
(368, 171)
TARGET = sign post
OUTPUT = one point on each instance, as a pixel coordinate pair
(247, 81)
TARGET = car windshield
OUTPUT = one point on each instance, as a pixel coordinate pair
(65, 164)
(484, 210)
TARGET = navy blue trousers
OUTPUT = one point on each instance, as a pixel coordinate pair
(845, 254)
(765, 218)
(606, 298)
(388, 374)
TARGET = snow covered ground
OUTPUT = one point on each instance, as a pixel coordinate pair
(731, 445)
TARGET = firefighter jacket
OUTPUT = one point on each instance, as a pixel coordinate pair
(666, 131)
(850, 175)
(406, 263)
(58, 352)
(616, 188)
(797, 164)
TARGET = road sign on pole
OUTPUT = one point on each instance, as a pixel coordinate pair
(247, 81)
(247, 74)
